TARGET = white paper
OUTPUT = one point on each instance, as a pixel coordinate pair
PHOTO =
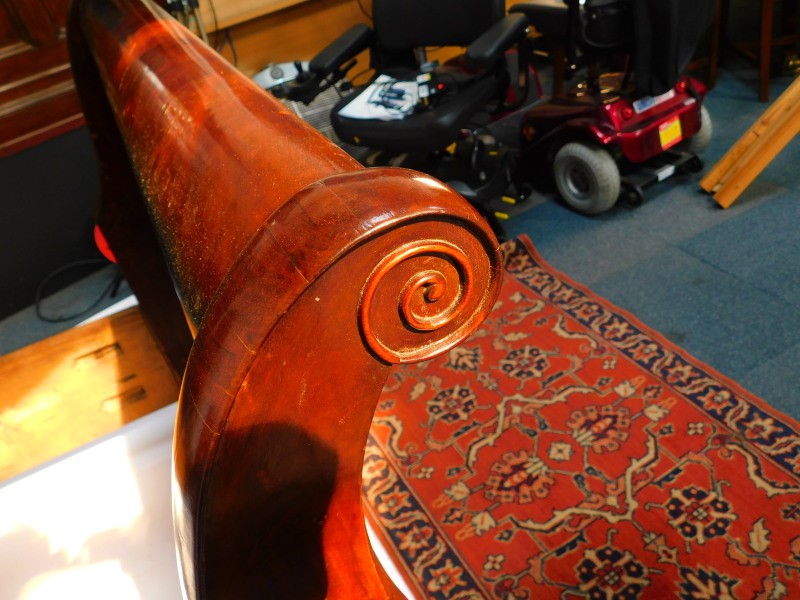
(378, 102)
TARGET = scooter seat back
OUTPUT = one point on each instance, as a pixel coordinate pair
(606, 24)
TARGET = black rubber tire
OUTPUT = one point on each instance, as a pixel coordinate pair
(633, 197)
(586, 177)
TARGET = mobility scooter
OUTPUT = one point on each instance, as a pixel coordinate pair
(617, 132)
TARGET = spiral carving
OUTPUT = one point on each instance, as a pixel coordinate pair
(423, 299)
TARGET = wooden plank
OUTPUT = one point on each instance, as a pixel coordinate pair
(787, 102)
(757, 157)
(75, 387)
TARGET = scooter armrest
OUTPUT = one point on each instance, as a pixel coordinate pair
(342, 49)
(490, 46)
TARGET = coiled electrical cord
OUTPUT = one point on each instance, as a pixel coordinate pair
(110, 290)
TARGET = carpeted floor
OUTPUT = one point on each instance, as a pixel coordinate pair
(565, 450)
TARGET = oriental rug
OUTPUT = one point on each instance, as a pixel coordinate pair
(567, 451)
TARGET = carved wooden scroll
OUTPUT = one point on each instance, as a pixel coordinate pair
(303, 277)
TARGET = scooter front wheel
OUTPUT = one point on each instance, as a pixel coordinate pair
(586, 177)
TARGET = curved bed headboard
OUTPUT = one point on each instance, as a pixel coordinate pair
(302, 278)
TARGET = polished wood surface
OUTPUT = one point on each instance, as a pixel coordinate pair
(220, 14)
(75, 387)
(37, 95)
(295, 33)
(303, 277)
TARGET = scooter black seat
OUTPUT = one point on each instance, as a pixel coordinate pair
(548, 17)
(429, 129)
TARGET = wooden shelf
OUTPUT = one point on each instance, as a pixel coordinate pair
(234, 12)
(75, 387)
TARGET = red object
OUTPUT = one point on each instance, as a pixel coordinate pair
(627, 112)
(102, 244)
(611, 120)
(303, 277)
(566, 450)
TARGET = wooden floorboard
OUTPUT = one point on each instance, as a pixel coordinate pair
(75, 387)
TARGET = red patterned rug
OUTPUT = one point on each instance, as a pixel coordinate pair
(567, 451)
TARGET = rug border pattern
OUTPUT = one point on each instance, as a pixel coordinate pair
(603, 318)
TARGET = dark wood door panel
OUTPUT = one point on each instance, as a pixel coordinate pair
(27, 92)
(22, 61)
(37, 22)
(37, 95)
(36, 124)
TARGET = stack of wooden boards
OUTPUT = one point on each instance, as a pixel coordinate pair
(755, 149)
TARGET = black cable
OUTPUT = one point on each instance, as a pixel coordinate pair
(216, 25)
(359, 74)
(233, 48)
(364, 12)
(111, 288)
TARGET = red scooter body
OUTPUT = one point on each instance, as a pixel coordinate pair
(638, 130)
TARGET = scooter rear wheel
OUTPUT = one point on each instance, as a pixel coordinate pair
(698, 143)
(586, 177)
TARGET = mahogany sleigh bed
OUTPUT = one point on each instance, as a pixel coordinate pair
(281, 281)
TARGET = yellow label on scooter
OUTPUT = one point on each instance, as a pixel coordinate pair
(670, 133)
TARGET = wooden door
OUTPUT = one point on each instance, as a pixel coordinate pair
(37, 94)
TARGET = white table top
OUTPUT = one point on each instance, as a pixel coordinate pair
(96, 523)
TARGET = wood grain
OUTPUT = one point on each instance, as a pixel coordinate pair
(227, 13)
(303, 277)
(295, 33)
(70, 389)
(756, 149)
(37, 97)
